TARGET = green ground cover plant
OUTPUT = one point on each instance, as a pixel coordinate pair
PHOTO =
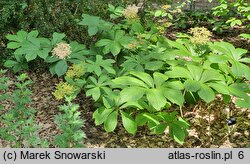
(28, 47)
(20, 127)
(70, 124)
(230, 14)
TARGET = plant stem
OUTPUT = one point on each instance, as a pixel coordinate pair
(181, 111)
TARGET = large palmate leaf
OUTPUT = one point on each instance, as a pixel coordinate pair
(127, 80)
(141, 62)
(200, 80)
(146, 78)
(158, 122)
(175, 96)
(179, 72)
(177, 128)
(195, 71)
(19, 37)
(29, 45)
(228, 49)
(108, 114)
(192, 85)
(159, 79)
(92, 22)
(115, 43)
(78, 52)
(57, 38)
(156, 89)
(100, 64)
(240, 70)
(211, 75)
(99, 86)
(227, 53)
(95, 24)
(181, 48)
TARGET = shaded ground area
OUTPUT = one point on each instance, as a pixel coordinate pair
(205, 131)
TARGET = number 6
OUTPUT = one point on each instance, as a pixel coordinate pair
(241, 155)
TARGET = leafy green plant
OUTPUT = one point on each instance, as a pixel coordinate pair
(230, 60)
(28, 47)
(70, 123)
(114, 45)
(3, 87)
(96, 87)
(197, 79)
(136, 88)
(76, 55)
(157, 89)
(134, 74)
(99, 65)
(142, 62)
(247, 36)
(156, 121)
(226, 52)
(108, 115)
(95, 24)
(19, 125)
(116, 12)
(142, 92)
(159, 122)
(230, 14)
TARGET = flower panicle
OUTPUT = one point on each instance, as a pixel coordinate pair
(62, 50)
(200, 35)
(131, 12)
(75, 71)
(63, 89)
(165, 7)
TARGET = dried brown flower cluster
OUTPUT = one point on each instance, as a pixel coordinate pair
(61, 50)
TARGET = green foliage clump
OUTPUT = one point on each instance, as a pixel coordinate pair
(135, 74)
(70, 123)
(20, 128)
(153, 73)
(3, 87)
(48, 16)
(230, 14)
(29, 46)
